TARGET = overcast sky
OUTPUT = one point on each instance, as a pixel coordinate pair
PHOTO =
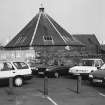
(76, 16)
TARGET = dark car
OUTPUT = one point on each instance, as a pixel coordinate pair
(98, 76)
(33, 67)
(53, 71)
(57, 71)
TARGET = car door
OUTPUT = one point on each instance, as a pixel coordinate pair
(22, 68)
(6, 70)
(63, 70)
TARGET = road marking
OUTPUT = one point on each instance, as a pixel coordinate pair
(50, 99)
(101, 94)
(18, 103)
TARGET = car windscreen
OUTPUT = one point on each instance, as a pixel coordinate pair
(20, 65)
(86, 62)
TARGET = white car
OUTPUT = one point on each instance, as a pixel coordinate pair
(86, 66)
(17, 70)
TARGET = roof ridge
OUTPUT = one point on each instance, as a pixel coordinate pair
(55, 28)
(35, 28)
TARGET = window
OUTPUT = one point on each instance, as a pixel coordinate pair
(1, 66)
(5, 66)
(10, 67)
(21, 65)
(86, 63)
(47, 38)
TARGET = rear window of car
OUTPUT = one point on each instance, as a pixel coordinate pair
(20, 65)
(86, 62)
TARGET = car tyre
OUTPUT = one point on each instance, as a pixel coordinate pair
(56, 74)
(18, 81)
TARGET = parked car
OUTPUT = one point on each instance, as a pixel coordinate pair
(98, 76)
(33, 67)
(54, 70)
(41, 69)
(18, 70)
(57, 71)
(86, 66)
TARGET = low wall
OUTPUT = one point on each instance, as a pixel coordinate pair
(12, 54)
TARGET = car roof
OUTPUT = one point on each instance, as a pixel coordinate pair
(5, 60)
(91, 59)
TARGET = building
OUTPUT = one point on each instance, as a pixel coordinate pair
(92, 45)
(45, 36)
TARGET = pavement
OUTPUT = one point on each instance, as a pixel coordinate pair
(61, 91)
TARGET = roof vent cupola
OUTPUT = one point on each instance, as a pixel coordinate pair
(41, 9)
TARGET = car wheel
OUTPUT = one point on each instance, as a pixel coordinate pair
(18, 81)
(56, 74)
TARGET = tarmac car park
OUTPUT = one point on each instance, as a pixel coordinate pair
(62, 91)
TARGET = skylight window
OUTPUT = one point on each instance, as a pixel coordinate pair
(47, 38)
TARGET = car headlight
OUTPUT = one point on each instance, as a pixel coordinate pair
(90, 76)
(47, 69)
(70, 70)
(36, 68)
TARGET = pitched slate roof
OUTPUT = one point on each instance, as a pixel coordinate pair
(87, 39)
(103, 47)
(42, 30)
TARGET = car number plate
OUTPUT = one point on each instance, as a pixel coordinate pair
(97, 80)
(41, 72)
